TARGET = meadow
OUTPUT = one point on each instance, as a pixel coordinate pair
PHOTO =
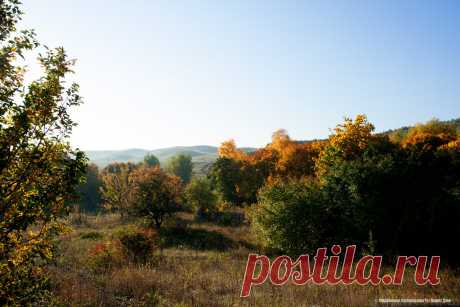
(175, 226)
(193, 263)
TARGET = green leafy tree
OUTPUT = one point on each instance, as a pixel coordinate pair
(151, 160)
(201, 197)
(225, 176)
(386, 197)
(89, 191)
(156, 194)
(291, 217)
(182, 166)
(38, 169)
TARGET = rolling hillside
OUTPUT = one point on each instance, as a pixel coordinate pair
(198, 153)
(202, 155)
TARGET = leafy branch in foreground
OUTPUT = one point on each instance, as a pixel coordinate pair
(38, 168)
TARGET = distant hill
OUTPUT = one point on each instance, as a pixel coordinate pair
(403, 130)
(202, 155)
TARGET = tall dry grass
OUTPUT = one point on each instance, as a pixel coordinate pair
(187, 274)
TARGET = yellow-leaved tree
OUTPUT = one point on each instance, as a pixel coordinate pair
(38, 169)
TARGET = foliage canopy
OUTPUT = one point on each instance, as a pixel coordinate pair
(38, 169)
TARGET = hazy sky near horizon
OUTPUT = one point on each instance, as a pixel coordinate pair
(163, 73)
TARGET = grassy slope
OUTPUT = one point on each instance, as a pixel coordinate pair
(203, 268)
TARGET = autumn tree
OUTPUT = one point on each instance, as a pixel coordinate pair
(386, 197)
(280, 140)
(294, 159)
(156, 194)
(229, 150)
(38, 169)
(182, 166)
(348, 141)
(118, 167)
(433, 133)
(117, 187)
(239, 175)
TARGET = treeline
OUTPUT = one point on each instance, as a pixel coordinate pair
(143, 188)
(389, 194)
(149, 191)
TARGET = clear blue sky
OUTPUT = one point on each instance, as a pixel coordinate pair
(163, 73)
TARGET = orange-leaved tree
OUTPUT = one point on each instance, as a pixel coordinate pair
(117, 187)
(156, 194)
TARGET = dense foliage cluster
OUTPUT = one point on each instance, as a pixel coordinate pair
(394, 193)
(116, 190)
(201, 197)
(156, 194)
(238, 175)
(181, 165)
(38, 169)
(388, 197)
(143, 189)
(89, 190)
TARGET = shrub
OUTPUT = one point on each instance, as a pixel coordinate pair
(138, 246)
(290, 217)
(105, 256)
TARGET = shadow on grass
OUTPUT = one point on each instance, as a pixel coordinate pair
(198, 239)
(228, 219)
(91, 235)
(247, 245)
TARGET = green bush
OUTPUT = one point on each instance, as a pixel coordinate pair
(290, 217)
(201, 198)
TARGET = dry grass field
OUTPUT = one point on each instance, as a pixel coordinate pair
(198, 264)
